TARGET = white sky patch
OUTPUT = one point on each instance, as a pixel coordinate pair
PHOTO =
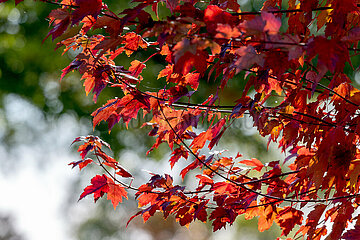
(37, 179)
(34, 197)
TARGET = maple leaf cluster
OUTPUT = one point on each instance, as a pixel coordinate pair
(299, 54)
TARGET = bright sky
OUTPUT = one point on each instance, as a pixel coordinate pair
(35, 178)
(34, 198)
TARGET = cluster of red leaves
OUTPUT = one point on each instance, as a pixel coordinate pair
(101, 184)
(302, 62)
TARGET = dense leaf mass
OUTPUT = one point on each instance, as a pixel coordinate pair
(298, 53)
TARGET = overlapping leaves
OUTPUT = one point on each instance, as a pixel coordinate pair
(315, 122)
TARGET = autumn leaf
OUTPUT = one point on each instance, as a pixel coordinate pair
(166, 72)
(86, 7)
(331, 53)
(352, 234)
(221, 217)
(312, 220)
(288, 218)
(103, 113)
(115, 193)
(81, 163)
(267, 217)
(85, 148)
(132, 42)
(227, 31)
(75, 64)
(136, 68)
(188, 61)
(253, 26)
(213, 134)
(146, 198)
(189, 167)
(109, 23)
(253, 163)
(177, 154)
(200, 140)
(99, 186)
(204, 180)
(247, 57)
(272, 24)
(322, 18)
(60, 18)
(224, 188)
(213, 15)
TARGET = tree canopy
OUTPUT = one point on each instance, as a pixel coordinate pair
(289, 66)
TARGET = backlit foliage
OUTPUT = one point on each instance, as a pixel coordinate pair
(298, 53)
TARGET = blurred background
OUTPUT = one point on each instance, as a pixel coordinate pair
(40, 117)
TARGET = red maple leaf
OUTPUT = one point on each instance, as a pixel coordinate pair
(99, 186)
(177, 154)
(109, 23)
(224, 188)
(188, 61)
(267, 217)
(332, 53)
(214, 15)
(288, 218)
(312, 220)
(86, 7)
(123, 172)
(85, 148)
(60, 18)
(103, 113)
(205, 180)
(81, 163)
(132, 42)
(352, 234)
(212, 134)
(221, 217)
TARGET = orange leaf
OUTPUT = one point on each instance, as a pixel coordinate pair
(266, 219)
(136, 68)
(103, 113)
(116, 193)
(253, 162)
(132, 42)
(288, 218)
